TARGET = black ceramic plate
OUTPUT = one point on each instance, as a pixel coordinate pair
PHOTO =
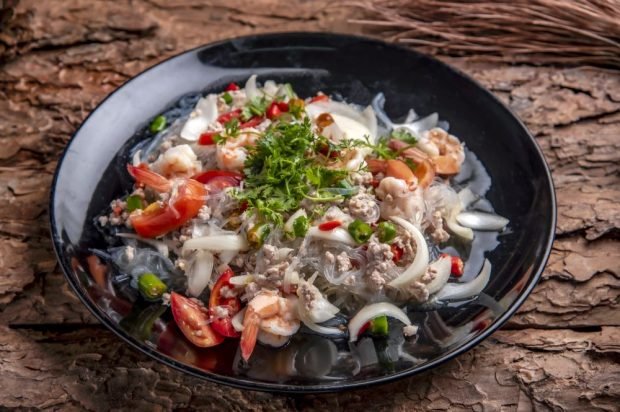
(91, 174)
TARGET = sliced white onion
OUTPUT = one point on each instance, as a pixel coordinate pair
(481, 220)
(251, 91)
(335, 235)
(271, 339)
(321, 309)
(161, 247)
(454, 227)
(291, 276)
(241, 280)
(469, 289)
(227, 256)
(442, 268)
(237, 320)
(137, 158)
(216, 243)
(420, 262)
(199, 272)
(420, 125)
(204, 114)
(270, 87)
(369, 312)
(288, 226)
(371, 123)
(323, 330)
(355, 124)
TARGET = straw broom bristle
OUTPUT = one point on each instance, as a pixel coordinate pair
(532, 31)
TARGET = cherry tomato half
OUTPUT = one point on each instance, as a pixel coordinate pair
(193, 320)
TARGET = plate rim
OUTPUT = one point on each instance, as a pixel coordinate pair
(244, 383)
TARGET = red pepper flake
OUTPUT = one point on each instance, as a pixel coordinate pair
(319, 98)
(227, 117)
(364, 328)
(232, 87)
(457, 266)
(254, 121)
(397, 252)
(331, 225)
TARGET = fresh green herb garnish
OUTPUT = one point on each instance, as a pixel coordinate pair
(405, 136)
(158, 124)
(283, 169)
(134, 202)
(255, 107)
(231, 128)
(227, 98)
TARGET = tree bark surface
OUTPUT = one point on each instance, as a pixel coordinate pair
(561, 350)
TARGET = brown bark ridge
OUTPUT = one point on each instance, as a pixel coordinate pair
(559, 352)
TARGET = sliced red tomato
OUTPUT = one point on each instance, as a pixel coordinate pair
(397, 252)
(232, 87)
(193, 320)
(206, 138)
(224, 326)
(273, 111)
(253, 122)
(209, 175)
(156, 221)
(457, 267)
(227, 117)
(319, 98)
(331, 225)
(143, 175)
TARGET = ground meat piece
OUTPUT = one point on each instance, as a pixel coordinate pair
(428, 276)
(364, 207)
(308, 294)
(361, 178)
(219, 312)
(251, 290)
(418, 291)
(181, 264)
(227, 292)
(435, 230)
(378, 251)
(204, 213)
(276, 272)
(330, 258)
(410, 330)
(343, 263)
(405, 242)
(376, 281)
(270, 253)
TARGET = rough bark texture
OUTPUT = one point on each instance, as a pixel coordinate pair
(560, 351)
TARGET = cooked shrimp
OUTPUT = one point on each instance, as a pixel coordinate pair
(232, 154)
(451, 153)
(425, 168)
(400, 199)
(178, 161)
(270, 313)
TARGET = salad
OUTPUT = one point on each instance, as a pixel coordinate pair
(262, 214)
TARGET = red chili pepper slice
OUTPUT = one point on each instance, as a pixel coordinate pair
(457, 266)
(232, 87)
(227, 117)
(254, 121)
(283, 106)
(319, 98)
(273, 111)
(397, 252)
(206, 138)
(206, 177)
(331, 225)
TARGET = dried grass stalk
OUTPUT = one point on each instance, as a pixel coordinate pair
(532, 31)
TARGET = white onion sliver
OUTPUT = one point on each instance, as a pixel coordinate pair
(321, 309)
(237, 320)
(454, 227)
(251, 91)
(205, 113)
(442, 268)
(420, 262)
(371, 123)
(370, 312)
(157, 244)
(467, 197)
(199, 272)
(335, 235)
(481, 221)
(216, 243)
(324, 330)
(469, 289)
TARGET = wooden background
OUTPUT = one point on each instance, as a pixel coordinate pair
(561, 351)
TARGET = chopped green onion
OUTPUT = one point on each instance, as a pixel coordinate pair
(386, 231)
(134, 202)
(227, 98)
(360, 231)
(379, 326)
(288, 90)
(151, 286)
(158, 124)
(301, 226)
(258, 234)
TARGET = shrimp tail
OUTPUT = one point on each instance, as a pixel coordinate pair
(149, 178)
(251, 323)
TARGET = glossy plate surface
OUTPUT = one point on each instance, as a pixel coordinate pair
(91, 173)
